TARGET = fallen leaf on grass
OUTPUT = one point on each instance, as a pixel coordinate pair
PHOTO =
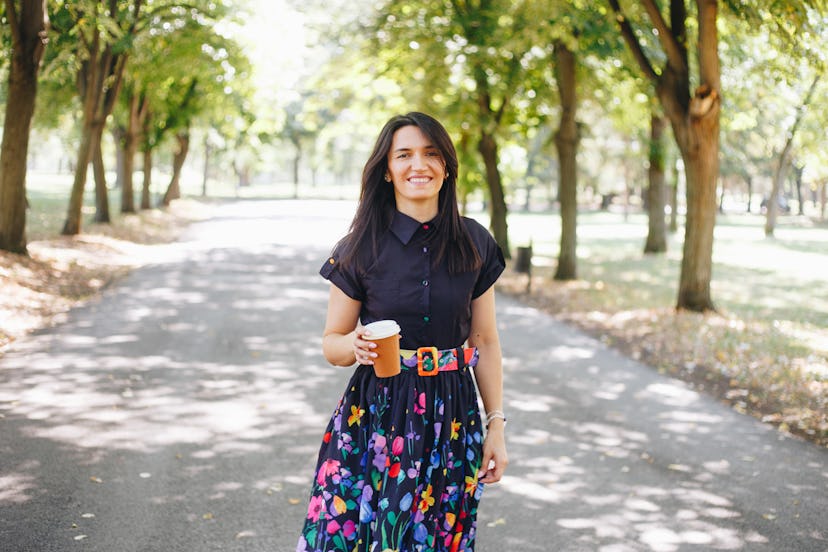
(95, 479)
(495, 523)
(208, 515)
(294, 501)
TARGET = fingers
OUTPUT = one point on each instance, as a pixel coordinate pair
(363, 348)
(494, 464)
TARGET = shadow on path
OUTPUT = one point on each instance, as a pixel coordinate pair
(182, 411)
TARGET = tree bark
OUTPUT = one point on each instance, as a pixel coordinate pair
(131, 137)
(206, 172)
(28, 29)
(174, 188)
(657, 228)
(101, 191)
(118, 138)
(566, 143)
(487, 146)
(146, 202)
(798, 170)
(749, 181)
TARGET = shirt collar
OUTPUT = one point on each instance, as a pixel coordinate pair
(404, 227)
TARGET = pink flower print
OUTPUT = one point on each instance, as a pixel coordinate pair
(349, 529)
(397, 446)
(419, 406)
(333, 527)
(328, 468)
(315, 508)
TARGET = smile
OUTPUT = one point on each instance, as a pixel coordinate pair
(420, 179)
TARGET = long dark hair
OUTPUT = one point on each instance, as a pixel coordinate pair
(377, 203)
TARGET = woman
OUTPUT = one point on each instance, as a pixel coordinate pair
(404, 458)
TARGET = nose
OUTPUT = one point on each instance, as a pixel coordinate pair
(418, 162)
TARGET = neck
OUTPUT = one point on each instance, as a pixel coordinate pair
(421, 212)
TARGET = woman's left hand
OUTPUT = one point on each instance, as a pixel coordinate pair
(495, 459)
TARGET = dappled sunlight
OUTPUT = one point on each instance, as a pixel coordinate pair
(607, 455)
(215, 367)
(196, 391)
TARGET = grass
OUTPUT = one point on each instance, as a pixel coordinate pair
(765, 350)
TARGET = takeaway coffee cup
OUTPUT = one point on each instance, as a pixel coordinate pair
(386, 334)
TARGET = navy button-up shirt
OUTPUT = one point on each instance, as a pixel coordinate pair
(432, 307)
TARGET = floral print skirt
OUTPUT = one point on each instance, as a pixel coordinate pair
(397, 470)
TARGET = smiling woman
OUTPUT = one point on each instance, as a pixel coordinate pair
(404, 459)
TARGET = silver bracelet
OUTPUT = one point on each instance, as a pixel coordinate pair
(493, 415)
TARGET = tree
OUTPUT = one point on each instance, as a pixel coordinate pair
(566, 142)
(695, 122)
(102, 32)
(28, 22)
(784, 162)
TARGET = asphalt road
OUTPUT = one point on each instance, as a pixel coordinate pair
(182, 410)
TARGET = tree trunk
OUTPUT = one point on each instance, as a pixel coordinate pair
(297, 160)
(72, 225)
(785, 161)
(28, 30)
(206, 172)
(487, 146)
(798, 170)
(131, 136)
(749, 192)
(674, 201)
(174, 188)
(101, 191)
(823, 199)
(697, 135)
(118, 133)
(99, 82)
(566, 142)
(146, 202)
(657, 231)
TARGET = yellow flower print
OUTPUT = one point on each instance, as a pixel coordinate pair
(339, 505)
(455, 429)
(356, 415)
(471, 484)
(426, 500)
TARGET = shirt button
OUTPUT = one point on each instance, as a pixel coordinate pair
(425, 249)
(426, 318)
(425, 283)
(425, 226)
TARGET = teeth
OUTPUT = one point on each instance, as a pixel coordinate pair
(422, 180)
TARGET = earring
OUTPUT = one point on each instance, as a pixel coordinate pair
(387, 178)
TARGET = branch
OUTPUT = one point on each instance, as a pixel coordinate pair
(635, 46)
(665, 36)
(11, 14)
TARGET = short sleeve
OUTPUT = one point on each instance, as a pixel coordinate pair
(493, 262)
(342, 277)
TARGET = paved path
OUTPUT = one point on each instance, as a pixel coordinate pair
(181, 411)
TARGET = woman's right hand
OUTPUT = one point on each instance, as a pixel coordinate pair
(363, 348)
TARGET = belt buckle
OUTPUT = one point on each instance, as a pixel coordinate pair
(434, 355)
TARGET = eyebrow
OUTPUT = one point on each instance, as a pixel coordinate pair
(409, 149)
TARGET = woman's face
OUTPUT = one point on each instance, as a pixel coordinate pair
(415, 167)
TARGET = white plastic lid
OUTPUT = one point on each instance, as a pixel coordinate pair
(382, 329)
